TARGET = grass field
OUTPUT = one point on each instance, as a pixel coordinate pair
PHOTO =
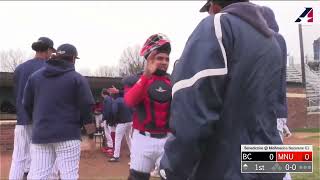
(311, 130)
(313, 137)
(316, 167)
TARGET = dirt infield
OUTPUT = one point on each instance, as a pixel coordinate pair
(94, 165)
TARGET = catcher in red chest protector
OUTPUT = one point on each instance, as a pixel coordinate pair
(149, 93)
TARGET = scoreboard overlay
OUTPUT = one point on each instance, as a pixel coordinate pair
(276, 158)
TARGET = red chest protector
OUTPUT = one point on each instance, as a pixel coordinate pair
(152, 114)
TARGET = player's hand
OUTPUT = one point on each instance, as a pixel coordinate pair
(152, 64)
(287, 135)
(113, 90)
(163, 174)
(166, 174)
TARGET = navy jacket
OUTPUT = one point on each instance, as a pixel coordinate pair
(121, 112)
(107, 110)
(282, 108)
(220, 103)
(59, 101)
(21, 75)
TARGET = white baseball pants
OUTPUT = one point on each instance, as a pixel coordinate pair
(121, 130)
(65, 154)
(107, 133)
(21, 151)
(98, 119)
(145, 151)
(281, 124)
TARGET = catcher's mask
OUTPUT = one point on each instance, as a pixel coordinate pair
(159, 42)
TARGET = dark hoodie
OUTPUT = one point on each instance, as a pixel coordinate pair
(217, 106)
(121, 112)
(107, 110)
(59, 101)
(282, 109)
(21, 75)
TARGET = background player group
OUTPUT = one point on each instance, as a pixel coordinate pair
(229, 78)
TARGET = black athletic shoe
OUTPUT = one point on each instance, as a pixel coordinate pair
(25, 176)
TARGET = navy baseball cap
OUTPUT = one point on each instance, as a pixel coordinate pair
(205, 7)
(47, 41)
(67, 50)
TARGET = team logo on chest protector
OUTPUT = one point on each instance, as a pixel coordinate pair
(160, 91)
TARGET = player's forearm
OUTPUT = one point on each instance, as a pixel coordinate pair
(286, 129)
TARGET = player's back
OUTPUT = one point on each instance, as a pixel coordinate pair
(59, 94)
(21, 75)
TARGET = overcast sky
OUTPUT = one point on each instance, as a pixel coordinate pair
(102, 30)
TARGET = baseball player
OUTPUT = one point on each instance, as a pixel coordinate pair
(59, 101)
(123, 117)
(107, 122)
(149, 94)
(281, 107)
(224, 94)
(22, 134)
(98, 108)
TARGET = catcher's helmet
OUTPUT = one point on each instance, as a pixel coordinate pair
(159, 42)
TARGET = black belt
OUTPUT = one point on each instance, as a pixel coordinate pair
(154, 135)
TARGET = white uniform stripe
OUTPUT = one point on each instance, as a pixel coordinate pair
(190, 82)
(218, 32)
(207, 72)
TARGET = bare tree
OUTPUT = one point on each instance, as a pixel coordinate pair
(10, 59)
(106, 71)
(130, 61)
